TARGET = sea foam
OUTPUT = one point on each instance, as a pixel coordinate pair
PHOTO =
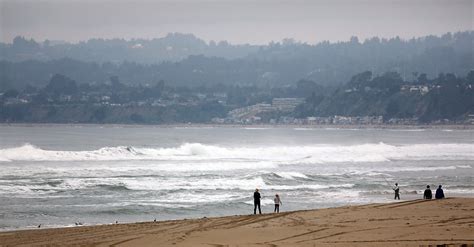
(373, 152)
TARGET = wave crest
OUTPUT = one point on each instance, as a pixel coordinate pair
(277, 154)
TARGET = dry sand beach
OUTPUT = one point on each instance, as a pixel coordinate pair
(448, 222)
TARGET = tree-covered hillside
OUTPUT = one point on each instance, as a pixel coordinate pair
(185, 60)
(444, 97)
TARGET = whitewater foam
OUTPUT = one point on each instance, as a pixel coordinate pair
(379, 152)
(291, 175)
(263, 202)
(154, 172)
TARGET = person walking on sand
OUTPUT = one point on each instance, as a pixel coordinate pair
(439, 193)
(397, 191)
(256, 202)
(427, 195)
(277, 203)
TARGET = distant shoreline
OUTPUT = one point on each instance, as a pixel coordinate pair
(276, 126)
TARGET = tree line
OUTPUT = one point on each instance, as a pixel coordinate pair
(184, 60)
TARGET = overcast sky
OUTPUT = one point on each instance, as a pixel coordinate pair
(238, 21)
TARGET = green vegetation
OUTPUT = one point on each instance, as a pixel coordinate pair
(184, 60)
(181, 79)
(444, 97)
(63, 100)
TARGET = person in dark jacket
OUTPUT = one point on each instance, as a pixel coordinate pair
(396, 189)
(439, 193)
(256, 202)
(427, 195)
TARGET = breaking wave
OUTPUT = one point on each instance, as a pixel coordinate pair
(279, 154)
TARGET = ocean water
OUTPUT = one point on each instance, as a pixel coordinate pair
(57, 175)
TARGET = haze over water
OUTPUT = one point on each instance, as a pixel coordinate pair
(60, 174)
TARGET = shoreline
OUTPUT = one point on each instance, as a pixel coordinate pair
(406, 223)
(405, 198)
(275, 126)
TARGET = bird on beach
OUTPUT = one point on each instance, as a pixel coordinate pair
(39, 226)
(154, 220)
(78, 223)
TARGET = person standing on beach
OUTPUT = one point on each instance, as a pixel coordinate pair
(277, 203)
(439, 193)
(256, 202)
(427, 195)
(397, 191)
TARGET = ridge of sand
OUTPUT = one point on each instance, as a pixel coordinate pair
(447, 222)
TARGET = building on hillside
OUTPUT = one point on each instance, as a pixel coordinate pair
(318, 120)
(470, 119)
(286, 104)
(249, 112)
(421, 89)
(403, 121)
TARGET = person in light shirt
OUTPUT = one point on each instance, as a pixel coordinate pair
(277, 201)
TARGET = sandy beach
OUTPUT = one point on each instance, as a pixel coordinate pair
(448, 222)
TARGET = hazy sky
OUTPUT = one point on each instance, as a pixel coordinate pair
(238, 21)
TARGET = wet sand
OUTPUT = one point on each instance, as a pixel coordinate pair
(447, 222)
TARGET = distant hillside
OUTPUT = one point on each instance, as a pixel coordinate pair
(365, 99)
(173, 47)
(185, 60)
(388, 95)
